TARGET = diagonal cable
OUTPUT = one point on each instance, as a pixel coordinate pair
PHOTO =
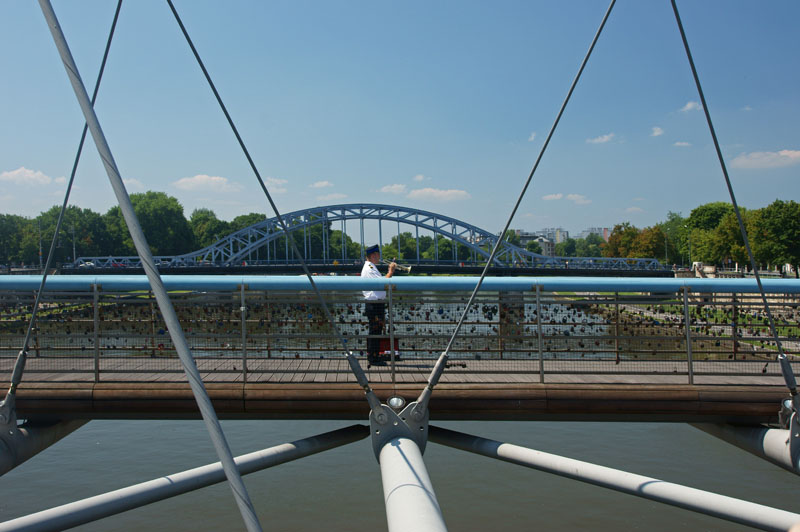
(19, 364)
(159, 291)
(441, 363)
(355, 367)
(782, 359)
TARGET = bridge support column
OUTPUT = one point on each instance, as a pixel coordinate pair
(407, 489)
(398, 440)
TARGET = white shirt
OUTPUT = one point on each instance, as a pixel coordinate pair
(371, 271)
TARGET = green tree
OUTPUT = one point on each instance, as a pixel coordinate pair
(677, 232)
(512, 237)
(11, 233)
(780, 221)
(84, 226)
(353, 249)
(708, 216)
(566, 248)
(729, 244)
(620, 242)
(704, 246)
(245, 220)
(649, 243)
(163, 223)
(445, 248)
(207, 228)
(591, 246)
(534, 247)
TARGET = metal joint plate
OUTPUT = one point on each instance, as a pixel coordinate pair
(397, 425)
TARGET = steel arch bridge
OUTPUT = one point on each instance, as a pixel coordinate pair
(240, 246)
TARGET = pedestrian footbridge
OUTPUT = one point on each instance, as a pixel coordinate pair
(530, 348)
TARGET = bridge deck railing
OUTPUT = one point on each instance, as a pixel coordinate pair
(519, 330)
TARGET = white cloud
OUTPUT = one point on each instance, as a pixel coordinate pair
(206, 183)
(133, 183)
(634, 209)
(393, 189)
(747, 108)
(551, 197)
(332, 197)
(657, 132)
(60, 180)
(24, 176)
(579, 199)
(418, 178)
(532, 137)
(766, 159)
(321, 184)
(438, 194)
(682, 144)
(275, 185)
(602, 139)
(690, 106)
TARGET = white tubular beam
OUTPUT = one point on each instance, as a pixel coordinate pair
(410, 501)
(779, 446)
(738, 511)
(121, 500)
(207, 411)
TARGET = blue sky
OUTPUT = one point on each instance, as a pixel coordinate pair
(441, 106)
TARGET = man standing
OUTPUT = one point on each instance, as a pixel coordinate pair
(375, 308)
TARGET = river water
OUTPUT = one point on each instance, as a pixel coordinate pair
(340, 490)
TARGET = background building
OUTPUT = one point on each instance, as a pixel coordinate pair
(603, 232)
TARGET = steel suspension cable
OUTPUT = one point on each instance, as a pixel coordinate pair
(786, 369)
(177, 336)
(19, 364)
(441, 363)
(351, 359)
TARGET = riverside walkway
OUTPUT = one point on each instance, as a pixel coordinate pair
(533, 348)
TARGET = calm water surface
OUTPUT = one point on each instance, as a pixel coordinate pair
(340, 490)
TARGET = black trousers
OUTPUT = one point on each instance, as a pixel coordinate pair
(376, 316)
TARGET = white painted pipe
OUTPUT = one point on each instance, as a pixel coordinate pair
(411, 504)
(736, 510)
(118, 501)
(207, 411)
(779, 446)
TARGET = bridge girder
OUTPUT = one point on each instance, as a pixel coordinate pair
(238, 245)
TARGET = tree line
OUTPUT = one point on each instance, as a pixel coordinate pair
(85, 233)
(709, 234)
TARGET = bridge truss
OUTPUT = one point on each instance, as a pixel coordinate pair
(262, 240)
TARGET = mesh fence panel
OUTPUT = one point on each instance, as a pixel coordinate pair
(281, 336)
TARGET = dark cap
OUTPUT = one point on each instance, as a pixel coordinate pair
(373, 249)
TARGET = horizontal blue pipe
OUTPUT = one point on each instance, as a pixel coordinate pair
(83, 283)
